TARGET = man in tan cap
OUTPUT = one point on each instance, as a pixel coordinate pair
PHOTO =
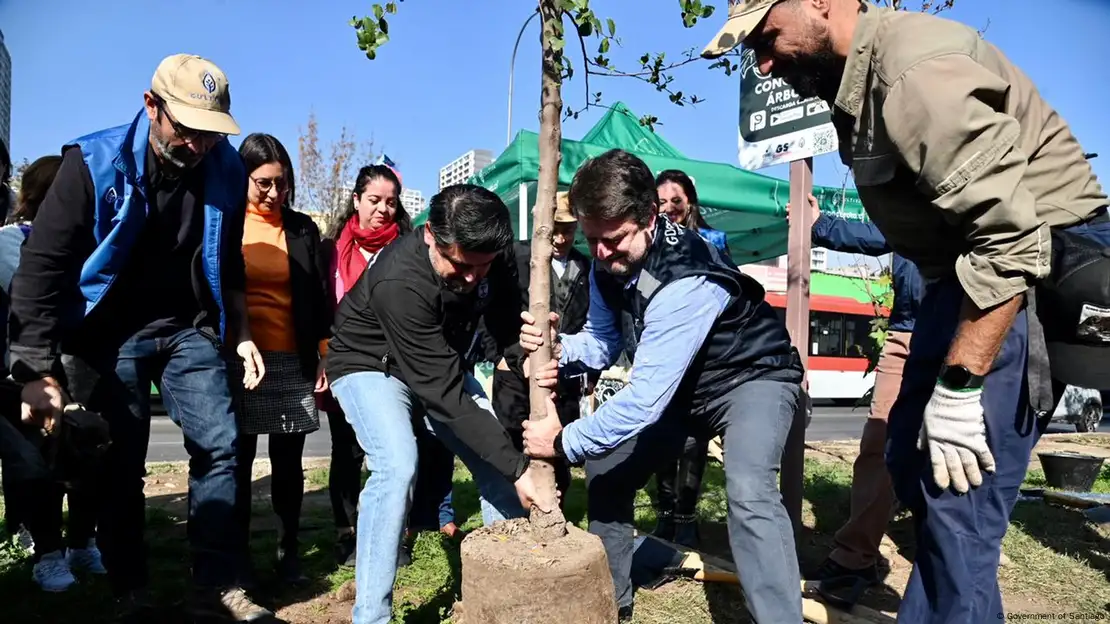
(972, 176)
(133, 274)
(570, 299)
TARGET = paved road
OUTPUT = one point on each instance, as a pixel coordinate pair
(829, 423)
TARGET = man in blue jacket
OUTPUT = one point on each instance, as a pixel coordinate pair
(856, 554)
(133, 274)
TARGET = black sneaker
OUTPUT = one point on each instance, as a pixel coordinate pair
(404, 558)
(345, 549)
(288, 568)
(830, 569)
(624, 615)
(686, 532)
(664, 526)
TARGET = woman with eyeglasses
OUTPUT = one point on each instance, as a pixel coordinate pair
(289, 318)
(678, 483)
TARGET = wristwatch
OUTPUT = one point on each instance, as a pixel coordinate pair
(957, 377)
(558, 445)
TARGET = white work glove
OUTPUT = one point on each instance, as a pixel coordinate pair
(954, 434)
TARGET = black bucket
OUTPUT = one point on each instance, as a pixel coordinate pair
(1074, 472)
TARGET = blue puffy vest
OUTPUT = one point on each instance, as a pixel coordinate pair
(116, 159)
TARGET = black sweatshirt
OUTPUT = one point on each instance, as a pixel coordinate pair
(160, 289)
(399, 319)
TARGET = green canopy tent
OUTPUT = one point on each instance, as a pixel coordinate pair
(749, 207)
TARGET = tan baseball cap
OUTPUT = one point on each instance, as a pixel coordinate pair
(743, 17)
(563, 212)
(196, 93)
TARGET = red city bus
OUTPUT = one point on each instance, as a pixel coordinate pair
(840, 341)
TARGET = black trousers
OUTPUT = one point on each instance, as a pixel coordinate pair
(345, 476)
(31, 496)
(510, 404)
(678, 482)
(286, 484)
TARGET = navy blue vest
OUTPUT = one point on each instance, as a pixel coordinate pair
(748, 340)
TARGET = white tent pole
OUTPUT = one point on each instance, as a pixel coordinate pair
(523, 214)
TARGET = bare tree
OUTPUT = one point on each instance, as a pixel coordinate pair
(325, 173)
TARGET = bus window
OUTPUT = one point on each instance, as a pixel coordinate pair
(826, 334)
(857, 336)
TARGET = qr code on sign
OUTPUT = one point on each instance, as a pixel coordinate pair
(824, 141)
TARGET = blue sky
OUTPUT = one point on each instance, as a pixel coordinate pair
(439, 87)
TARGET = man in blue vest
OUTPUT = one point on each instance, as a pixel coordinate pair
(133, 274)
(712, 358)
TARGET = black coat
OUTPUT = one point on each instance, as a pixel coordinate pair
(510, 388)
(572, 315)
(308, 281)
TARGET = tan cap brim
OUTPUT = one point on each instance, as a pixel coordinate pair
(735, 30)
(203, 120)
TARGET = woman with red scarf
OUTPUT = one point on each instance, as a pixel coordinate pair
(374, 220)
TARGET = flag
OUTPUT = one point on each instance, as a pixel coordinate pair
(385, 160)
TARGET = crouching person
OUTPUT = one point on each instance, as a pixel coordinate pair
(396, 361)
(712, 359)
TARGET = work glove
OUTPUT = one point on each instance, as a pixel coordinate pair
(955, 436)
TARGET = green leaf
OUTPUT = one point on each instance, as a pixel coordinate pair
(644, 59)
(383, 26)
(707, 11)
(379, 12)
(612, 27)
(604, 46)
(557, 43)
(585, 29)
(391, 7)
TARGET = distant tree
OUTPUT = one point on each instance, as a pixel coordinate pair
(325, 174)
(17, 174)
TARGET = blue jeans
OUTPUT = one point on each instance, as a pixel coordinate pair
(191, 374)
(959, 538)
(383, 411)
(754, 419)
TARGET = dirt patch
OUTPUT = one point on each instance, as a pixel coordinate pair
(510, 577)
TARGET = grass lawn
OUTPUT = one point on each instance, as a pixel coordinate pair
(1060, 564)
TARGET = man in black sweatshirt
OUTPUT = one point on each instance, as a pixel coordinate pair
(396, 360)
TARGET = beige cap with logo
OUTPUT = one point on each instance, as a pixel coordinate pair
(563, 213)
(743, 17)
(196, 93)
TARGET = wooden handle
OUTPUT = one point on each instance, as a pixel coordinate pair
(820, 613)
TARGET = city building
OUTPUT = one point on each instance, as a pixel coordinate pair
(818, 260)
(413, 201)
(464, 166)
(5, 94)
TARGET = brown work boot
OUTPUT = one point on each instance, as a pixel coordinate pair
(229, 605)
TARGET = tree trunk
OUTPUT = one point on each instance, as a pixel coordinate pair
(552, 523)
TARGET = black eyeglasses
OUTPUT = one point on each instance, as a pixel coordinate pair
(265, 184)
(188, 134)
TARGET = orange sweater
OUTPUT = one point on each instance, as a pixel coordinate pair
(269, 294)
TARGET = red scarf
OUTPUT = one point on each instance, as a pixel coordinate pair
(351, 262)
